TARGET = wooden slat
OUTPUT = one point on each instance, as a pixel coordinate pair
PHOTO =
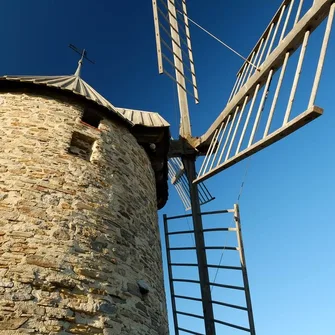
(298, 122)
(310, 21)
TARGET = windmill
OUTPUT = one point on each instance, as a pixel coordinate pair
(236, 133)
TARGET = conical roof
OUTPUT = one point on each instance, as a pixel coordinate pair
(75, 84)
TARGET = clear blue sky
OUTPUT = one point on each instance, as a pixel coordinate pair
(288, 202)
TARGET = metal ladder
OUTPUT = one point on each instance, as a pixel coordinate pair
(188, 316)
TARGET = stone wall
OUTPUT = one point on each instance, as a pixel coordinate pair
(76, 233)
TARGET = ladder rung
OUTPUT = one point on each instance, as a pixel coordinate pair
(204, 231)
(183, 264)
(184, 297)
(186, 280)
(209, 265)
(224, 267)
(232, 325)
(181, 232)
(189, 331)
(222, 248)
(179, 217)
(218, 212)
(218, 229)
(182, 248)
(190, 314)
(228, 286)
(207, 248)
(229, 305)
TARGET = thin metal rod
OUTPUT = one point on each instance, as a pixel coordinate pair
(181, 194)
(247, 120)
(296, 77)
(233, 326)
(187, 298)
(243, 74)
(209, 153)
(173, 302)
(190, 314)
(202, 194)
(244, 269)
(259, 52)
(224, 267)
(228, 135)
(179, 41)
(179, 217)
(210, 230)
(236, 128)
(250, 72)
(299, 121)
(223, 133)
(205, 191)
(175, 67)
(265, 44)
(181, 232)
(286, 21)
(224, 211)
(217, 39)
(185, 184)
(216, 151)
(229, 305)
(232, 287)
(202, 185)
(170, 49)
(180, 189)
(173, 15)
(184, 196)
(222, 248)
(185, 264)
(297, 17)
(165, 17)
(234, 87)
(260, 108)
(182, 280)
(181, 248)
(189, 331)
(276, 95)
(276, 31)
(178, 83)
(217, 212)
(245, 70)
(322, 56)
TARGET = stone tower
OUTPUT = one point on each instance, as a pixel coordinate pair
(80, 185)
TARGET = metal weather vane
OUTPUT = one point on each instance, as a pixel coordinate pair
(236, 133)
(83, 54)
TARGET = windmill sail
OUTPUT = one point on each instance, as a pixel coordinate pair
(179, 180)
(236, 133)
(174, 47)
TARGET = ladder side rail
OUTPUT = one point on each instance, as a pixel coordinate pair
(244, 269)
(168, 255)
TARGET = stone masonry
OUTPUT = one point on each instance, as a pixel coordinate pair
(77, 233)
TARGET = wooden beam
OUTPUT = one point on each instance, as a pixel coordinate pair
(298, 122)
(311, 20)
